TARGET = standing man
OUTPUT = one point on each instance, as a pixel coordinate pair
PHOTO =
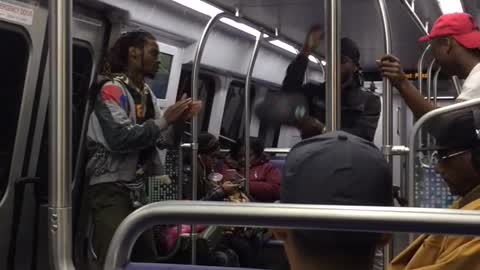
(360, 110)
(125, 132)
(455, 44)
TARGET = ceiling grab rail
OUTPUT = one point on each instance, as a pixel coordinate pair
(332, 24)
(59, 195)
(196, 70)
(387, 132)
(347, 218)
(248, 86)
(416, 19)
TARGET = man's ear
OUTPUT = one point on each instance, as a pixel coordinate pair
(280, 234)
(132, 52)
(449, 44)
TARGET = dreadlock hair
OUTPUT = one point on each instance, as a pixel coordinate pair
(117, 58)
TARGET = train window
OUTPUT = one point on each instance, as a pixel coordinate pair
(269, 134)
(159, 84)
(14, 52)
(82, 73)
(233, 121)
(206, 94)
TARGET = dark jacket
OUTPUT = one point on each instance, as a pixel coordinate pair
(360, 108)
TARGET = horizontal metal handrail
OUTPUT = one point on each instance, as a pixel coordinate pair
(348, 218)
(266, 150)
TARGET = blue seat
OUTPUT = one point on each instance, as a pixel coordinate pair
(153, 266)
(279, 163)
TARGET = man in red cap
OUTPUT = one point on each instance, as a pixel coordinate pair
(455, 42)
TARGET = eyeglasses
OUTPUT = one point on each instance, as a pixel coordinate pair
(437, 157)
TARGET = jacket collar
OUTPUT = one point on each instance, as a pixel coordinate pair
(471, 196)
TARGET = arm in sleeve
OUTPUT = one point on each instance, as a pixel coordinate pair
(120, 133)
(465, 256)
(268, 190)
(215, 195)
(366, 123)
(171, 136)
(294, 78)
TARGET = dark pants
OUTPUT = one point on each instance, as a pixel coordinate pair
(110, 205)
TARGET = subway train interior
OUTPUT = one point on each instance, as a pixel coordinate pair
(178, 26)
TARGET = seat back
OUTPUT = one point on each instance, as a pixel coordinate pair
(279, 162)
(152, 266)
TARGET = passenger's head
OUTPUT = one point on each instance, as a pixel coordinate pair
(350, 60)
(208, 149)
(334, 169)
(135, 51)
(256, 150)
(455, 39)
(458, 150)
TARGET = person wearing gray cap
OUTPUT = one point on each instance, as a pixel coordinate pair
(335, 168)
(458, 161)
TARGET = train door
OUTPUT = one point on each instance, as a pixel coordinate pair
(88, 39)
(23, 31)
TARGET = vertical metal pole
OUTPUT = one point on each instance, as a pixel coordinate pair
(429, 94)
(420, 69)
(248, 86)
(333, 80)
(387, 134)
(196, 70)
(60, 204)
(435, 87)
(457, 84)
(420, 89)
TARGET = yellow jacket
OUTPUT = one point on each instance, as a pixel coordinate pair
(440, 252)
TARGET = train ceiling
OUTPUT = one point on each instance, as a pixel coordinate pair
(361, 21)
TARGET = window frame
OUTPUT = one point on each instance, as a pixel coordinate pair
(174, 76)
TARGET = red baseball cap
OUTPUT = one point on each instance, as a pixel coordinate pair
(460, 26)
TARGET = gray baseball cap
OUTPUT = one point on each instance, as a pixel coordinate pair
(337, 168)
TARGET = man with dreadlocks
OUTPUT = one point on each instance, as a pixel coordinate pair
(125, 132)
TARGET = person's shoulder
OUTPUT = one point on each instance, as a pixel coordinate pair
(368, 93)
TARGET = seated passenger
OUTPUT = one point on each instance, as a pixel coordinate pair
(455, 44)
(459, 164)
(334, 169)
(212, 184)
(265, 178)
(360, 108)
